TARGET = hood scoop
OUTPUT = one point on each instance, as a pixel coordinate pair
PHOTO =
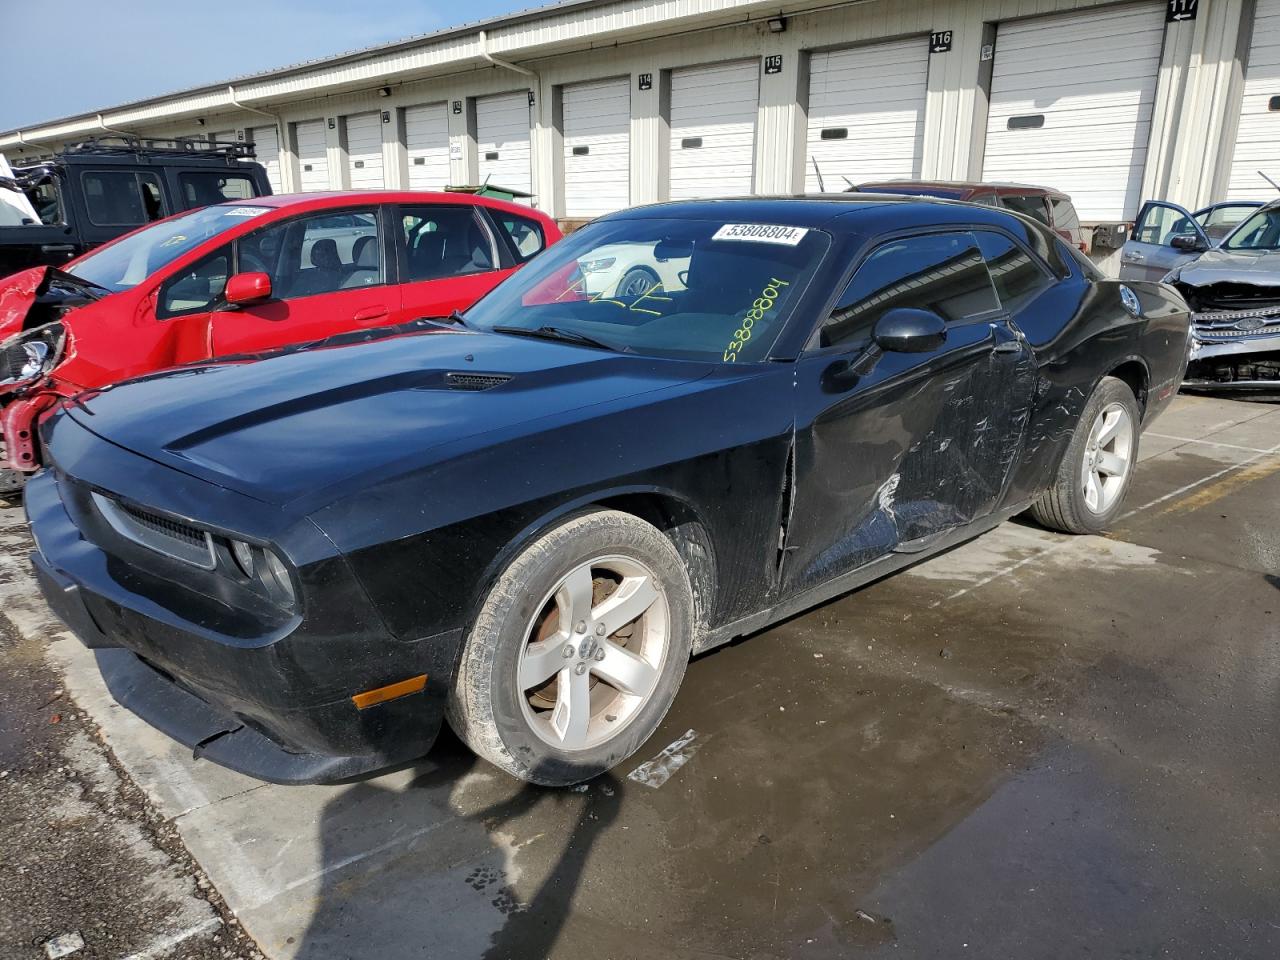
(475, 381)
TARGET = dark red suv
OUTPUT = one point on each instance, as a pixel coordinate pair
(1051, 207)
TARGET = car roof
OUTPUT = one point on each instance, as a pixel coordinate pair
(960, 186)
(322, 200)
(857, 212)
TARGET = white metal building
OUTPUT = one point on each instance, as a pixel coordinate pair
(593, 105)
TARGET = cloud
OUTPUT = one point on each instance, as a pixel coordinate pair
(126, 50)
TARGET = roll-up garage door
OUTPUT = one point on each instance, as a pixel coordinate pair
(1071, 103)
(267, 146)
(1258, 138)
(866, 113)
(502, 140)
(713, 129)
(364, 151)
(426, 140)
(223, 136)
(597, 147)
(313, 165)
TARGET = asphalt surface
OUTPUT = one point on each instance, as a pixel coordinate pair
(1034, 746)
(84, 856)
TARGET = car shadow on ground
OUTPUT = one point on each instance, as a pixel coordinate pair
(520, 922)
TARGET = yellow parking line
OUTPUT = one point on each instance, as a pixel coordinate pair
(1224, 485)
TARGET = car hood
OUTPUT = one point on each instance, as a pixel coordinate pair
(281, 426)
(32, 298)
(1260, 267)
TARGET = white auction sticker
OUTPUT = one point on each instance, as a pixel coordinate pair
(246, 211)
(761, 233)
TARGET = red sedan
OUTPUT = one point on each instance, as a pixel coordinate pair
(240, 277)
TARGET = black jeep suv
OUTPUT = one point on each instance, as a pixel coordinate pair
(97, 190)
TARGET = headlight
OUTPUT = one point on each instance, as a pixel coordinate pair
(263, 566)
(31, 354)
(595, 266)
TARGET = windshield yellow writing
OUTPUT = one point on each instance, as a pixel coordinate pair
(763, 304)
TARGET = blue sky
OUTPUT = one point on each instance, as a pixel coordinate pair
(75, 56)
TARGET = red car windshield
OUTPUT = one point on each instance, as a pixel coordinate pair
(127, 263)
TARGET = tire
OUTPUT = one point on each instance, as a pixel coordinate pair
(11, 481)
(534, 733)
(636, 282)
(1069, 505)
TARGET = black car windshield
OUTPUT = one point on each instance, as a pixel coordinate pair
(1260, 232)
(128, 262)
(690, 289)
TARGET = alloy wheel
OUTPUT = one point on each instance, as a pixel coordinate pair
(593, 653)
(1108, 458)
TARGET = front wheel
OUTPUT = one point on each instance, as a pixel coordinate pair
(637, 282)
(11, 481)
(1094, 477)
(577, 651)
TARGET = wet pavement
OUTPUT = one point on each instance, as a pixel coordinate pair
(1034, 746)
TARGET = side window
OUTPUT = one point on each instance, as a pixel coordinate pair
(48, 205)
(318, 254)
(1017, 277)
(197, 288)
(122, 198)
(1159, 224)
(201, 188)
(1216, 222)
(1064, 214)
(1028, 206)
(526, 234)
(444, 241)
(942, 272)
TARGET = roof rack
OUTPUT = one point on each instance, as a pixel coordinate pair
(230, 151)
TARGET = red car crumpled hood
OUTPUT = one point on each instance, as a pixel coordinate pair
(17, 294)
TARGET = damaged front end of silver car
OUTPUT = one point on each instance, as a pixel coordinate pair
(1235, 347)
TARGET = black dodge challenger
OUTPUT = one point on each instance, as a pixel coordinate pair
(526, 519)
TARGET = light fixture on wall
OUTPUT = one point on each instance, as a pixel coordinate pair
(199, 121)
(777, 24)
(384, 91)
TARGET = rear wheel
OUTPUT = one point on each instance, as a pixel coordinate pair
(1088, 492)
(577, 652)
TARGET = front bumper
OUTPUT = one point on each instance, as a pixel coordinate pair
(271, 700)
(1233, 360)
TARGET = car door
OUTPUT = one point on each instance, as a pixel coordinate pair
(897, 449)
(1149, 253)
(449, 258)
(329, 274)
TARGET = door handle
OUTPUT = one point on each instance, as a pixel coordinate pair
(1134, 257)
(370, 313)
(57, 248)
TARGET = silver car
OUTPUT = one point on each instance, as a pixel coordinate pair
(1166, 235)
(1234, 292)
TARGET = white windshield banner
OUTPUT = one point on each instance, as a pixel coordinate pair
(761, 233)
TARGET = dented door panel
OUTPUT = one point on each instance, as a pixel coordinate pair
(920, 446)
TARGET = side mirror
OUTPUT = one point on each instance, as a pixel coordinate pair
(1189, 242)
(909, 330)
(246, 288)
